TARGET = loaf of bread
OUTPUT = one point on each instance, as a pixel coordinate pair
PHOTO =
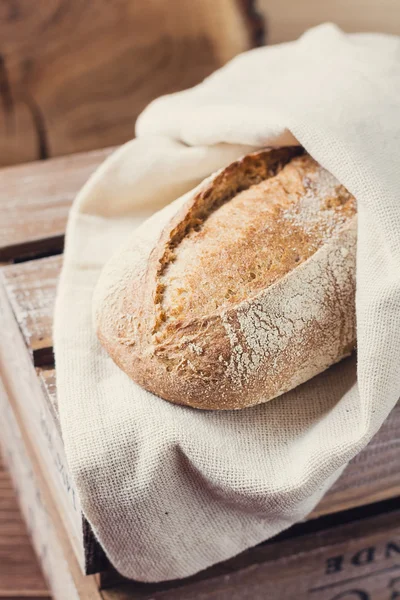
(240, 294)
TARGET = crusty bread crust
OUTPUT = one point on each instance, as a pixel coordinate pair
(250, 347)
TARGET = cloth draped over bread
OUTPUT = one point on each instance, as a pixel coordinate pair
(170, 490)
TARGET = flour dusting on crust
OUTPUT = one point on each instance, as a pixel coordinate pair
(240, 290)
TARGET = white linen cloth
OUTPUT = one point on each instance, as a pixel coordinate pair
(170, 490)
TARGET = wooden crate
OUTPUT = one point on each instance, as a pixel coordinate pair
(350, 546)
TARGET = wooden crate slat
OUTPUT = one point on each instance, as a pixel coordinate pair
(47, 378)
(35, 199)
(371, 476)
(20, 574)
(48, 534)
(20, 377)
(31, 289)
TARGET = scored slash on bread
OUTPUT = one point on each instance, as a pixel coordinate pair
(240, 294)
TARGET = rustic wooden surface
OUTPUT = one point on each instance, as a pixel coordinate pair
(35, 199)
(47, 378)
(20, 574)
(99, 63)
(24, 386)
(287, 19)
(31, 286)
(50, 539)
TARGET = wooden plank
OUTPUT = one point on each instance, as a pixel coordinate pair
(31, 288)
(20, 574)
(18, 372)
(100, 63)
(35, 200)
(51, 543)
(373, 474)
(47, 378)
(288, 19)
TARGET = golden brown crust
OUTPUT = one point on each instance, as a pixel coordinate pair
(169, 317)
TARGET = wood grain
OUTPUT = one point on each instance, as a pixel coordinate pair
(49, 537)
(35, 200)
(19, 374)
(287, 19)
(20, 574)
(31, 291)
(99, 63)
(47, 378)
